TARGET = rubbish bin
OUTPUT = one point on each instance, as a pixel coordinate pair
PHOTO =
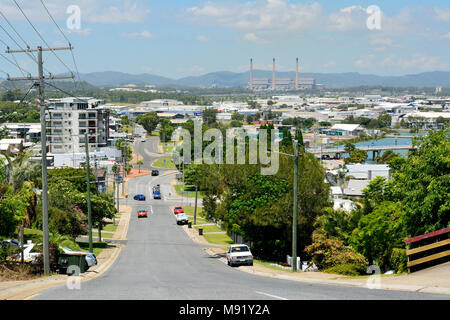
(69, 262)
(200, 231)
(189, 224)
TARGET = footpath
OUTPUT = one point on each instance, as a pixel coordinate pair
(25, 290)
(432, 280)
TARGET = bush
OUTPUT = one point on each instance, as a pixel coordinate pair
(398, 260)
(328, 252)
(347, 269)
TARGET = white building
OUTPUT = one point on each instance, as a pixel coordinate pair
(347, 129)
(70, 119)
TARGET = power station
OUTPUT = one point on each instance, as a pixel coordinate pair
(277, 83)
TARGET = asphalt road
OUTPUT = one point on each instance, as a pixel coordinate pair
(160, 262)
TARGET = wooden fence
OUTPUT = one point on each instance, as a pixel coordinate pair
(428, 249)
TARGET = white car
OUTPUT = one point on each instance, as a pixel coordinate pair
(182, 218)
(239, 254)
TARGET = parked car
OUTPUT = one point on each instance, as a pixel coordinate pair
(91, 259)
(178, 210)
(182, 219)
(139, 197)
(239, 254)
(142, 214)
(155, 173)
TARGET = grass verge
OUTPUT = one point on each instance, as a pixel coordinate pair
(167, 165)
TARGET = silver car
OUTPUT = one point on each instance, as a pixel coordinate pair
(239, 254)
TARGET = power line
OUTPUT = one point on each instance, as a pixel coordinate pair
(65, 37)
(18, 34)
(31, 55)
(40, 36)
(14, 64)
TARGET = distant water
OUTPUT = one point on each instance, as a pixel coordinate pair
(400, 141)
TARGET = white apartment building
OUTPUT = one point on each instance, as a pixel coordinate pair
(69, 119)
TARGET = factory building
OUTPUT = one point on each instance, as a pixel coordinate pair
(283, 84)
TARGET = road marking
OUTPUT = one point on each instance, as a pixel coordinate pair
(33, 296)
(270, 295)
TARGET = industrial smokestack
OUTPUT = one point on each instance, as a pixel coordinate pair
(273, 75)
(296, 76)
(251, 74)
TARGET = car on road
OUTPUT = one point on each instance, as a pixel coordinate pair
(239, 254)
(139, 197)
(143, 140)
(157, 192)
(155, 173)
(142, 214)
(178, 210)
(182, 219)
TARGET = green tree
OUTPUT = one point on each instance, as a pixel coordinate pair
(379, 232)
(422, 182)
(237, 116)
(149, 121)
(209, 116)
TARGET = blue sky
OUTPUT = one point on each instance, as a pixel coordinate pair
(177, 38)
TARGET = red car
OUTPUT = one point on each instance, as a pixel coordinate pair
(142, 214)
(178, 210)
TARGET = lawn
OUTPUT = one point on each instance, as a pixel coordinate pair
(167, 165)
(188, 193)
(96, 246)
(110, 227)
(167, 147)
(213, 228)
(189, 211)
(220, 239)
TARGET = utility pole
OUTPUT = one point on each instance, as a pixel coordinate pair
(295, 205)
(88, 173)
(114, 196)
(39, 82)
(195, 209)
(295, 213)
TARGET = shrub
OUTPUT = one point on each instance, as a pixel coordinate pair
(329, 252)
(398, 260)
(347, 269)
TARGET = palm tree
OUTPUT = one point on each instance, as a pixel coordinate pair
(140, 163)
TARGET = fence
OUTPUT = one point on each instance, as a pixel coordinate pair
(428, 249)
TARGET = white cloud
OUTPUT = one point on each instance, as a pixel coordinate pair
(266, 15)
(141, 35)
(446, 36)
(99, 11)
(442, 14)
(203, 38)
(251, 37)
(365, 61)
(330, 64)
(414, 63)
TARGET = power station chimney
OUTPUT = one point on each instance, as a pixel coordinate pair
(251, 74)
(273, 75)
(296, 76)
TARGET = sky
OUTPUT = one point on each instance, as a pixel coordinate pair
(178, 38)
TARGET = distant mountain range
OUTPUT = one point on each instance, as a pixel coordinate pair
(231, 79)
